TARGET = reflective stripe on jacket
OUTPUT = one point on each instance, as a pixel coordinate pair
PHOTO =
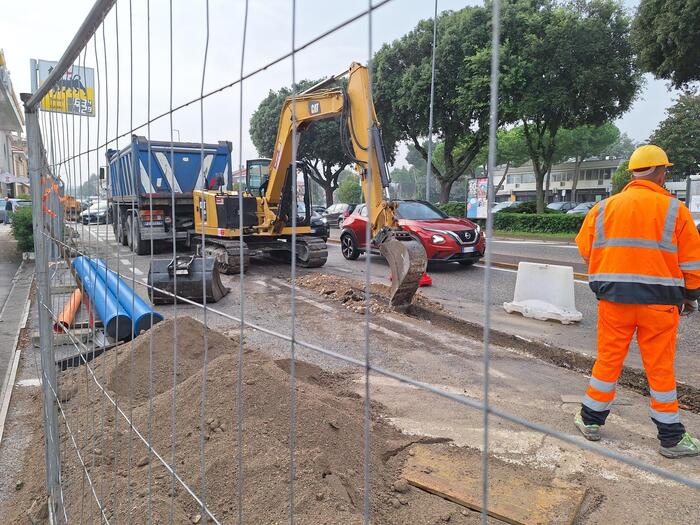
(642, 247)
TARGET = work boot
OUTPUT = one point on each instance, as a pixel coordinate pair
(688, 446)
(590, 432)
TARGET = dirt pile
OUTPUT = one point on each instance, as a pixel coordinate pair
(351, 293)
(328, 479)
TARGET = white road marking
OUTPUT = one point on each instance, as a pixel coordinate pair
(318, 305)
(344, 270)
(390, 333)
(499, 269)
(267, 285)
(137, 271)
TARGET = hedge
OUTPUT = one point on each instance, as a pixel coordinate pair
(453, 209)
(545, 223)
(21, 229)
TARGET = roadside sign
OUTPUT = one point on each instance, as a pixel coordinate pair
(74, 93)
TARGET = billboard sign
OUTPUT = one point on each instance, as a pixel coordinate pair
(74, 93)
(477, 198)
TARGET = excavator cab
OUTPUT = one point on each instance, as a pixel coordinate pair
(257, 173)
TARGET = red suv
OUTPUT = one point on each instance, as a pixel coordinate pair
(445, 239)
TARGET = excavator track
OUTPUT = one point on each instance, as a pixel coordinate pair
(227, 255)
(407, 261)
(312, 252)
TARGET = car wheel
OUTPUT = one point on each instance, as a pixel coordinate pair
(348, 247)
(468, 262)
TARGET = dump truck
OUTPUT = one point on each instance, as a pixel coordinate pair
(145, 177)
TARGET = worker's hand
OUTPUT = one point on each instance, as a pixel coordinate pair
(689, 306)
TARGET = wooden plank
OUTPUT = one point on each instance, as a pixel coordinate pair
(513, 498)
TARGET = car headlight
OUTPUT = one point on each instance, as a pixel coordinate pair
(437, 239)
(324, 220)
(477, 230)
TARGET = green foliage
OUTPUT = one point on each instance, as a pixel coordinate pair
(679, 135)
(622, 148)
(320, 150)
(21, 229)
(453, 209)
(666, 35)
(538, 223)
(402, 74)
(349, 191)
(585, 141)
(586, 40)
(620, 178)
(527, 207)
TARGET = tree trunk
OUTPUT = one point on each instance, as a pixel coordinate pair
(445, 190)
(503, 179)
(539, 191)
(329, 195)
(577, 174)
(547, 193)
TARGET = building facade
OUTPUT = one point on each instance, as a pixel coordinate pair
(13, 149)
(594, 181)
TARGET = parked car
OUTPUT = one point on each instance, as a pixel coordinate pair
(503, 205)
(582, 208)
(562, 206)
(445, 239)
(319, 224)
(336, 213)
(98, 213)
(318, 209)
(16, 204)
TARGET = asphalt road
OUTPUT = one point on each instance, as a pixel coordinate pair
(461, 290)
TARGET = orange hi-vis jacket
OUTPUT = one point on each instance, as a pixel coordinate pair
(642, 247)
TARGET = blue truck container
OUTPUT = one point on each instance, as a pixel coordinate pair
(144, 177)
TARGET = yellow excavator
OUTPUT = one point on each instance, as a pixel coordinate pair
(267, 203)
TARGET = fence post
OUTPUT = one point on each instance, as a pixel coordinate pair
(43, 300)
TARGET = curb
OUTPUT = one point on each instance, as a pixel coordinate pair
(9, 383)
(632, 378)
(508, 266)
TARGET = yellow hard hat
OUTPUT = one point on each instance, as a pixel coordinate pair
(648, 156)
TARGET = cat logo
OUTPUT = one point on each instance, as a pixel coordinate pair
(314, 107)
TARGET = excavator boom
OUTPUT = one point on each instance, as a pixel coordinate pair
(360, 132)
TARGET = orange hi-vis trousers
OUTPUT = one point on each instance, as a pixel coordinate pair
(656, 327)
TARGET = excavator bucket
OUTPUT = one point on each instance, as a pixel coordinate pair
(185, 276)
(407, 262)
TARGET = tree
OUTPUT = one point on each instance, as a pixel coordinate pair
(350, 191)
(679, 135)
(620, 178)
(666, 35)
(582, 143)
(402, 74)
(622, 148)
(576, 67)
(320, 151)
(511, 150)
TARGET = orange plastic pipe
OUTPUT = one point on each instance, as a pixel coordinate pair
(65, 319)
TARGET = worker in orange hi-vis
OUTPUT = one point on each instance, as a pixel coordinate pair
(643, 255)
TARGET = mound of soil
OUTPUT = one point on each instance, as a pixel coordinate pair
(132, 483)
(351, 293)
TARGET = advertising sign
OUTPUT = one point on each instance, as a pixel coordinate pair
(74, 93)
(477, 199)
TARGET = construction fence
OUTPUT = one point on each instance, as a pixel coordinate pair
(135, 401)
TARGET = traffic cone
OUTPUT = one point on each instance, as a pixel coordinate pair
(425, 279)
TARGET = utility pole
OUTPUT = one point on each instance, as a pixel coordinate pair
(429, 167)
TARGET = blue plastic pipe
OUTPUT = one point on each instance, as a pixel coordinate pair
(142, 314)
(116, 321)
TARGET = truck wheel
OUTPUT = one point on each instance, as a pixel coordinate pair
(137, 243)
(121, 234)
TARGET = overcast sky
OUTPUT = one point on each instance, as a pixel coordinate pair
(40, 29)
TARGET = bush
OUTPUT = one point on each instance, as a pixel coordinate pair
(349, 191)
(24, 196)
(544, 223)
(21, 228)
(620, 178)
(453, 209)
(528, 207)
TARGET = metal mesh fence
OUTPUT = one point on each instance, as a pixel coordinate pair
(95, 448)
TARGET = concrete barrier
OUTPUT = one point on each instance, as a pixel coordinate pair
(545, 291)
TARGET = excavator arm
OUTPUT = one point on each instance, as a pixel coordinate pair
(360, 133)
